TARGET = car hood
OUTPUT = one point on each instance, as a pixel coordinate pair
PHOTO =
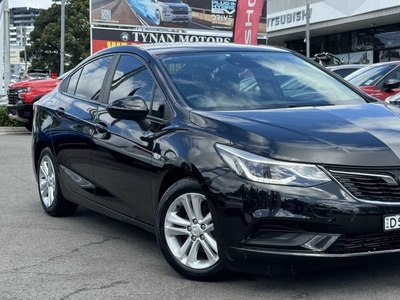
(354, 135)
(34, 82)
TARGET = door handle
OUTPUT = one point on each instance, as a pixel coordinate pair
(60, 111)
(101, 127)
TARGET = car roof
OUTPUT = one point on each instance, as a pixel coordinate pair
(394, 62)
(157, 49)
(348, 66)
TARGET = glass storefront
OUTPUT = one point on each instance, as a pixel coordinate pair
(364, 46)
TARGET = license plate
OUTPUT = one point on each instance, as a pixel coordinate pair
(391, 222)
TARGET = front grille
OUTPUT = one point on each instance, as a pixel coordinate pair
(12, 95)
(371, 185)
(366, 243)
(179, 12)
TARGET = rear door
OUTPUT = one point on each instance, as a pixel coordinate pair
(75, 113)
(123, 149)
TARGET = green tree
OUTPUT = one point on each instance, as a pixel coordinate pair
(45, 48)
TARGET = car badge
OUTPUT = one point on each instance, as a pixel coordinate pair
(125, 36)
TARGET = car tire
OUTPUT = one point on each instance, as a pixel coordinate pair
(50, 193)
(158, 18)
(185, 232)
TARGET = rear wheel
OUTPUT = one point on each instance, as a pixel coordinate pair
(51, 197)
(185, 232)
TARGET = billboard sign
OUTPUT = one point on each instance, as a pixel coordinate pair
(187, 15)
(110, 37)
(14, 56)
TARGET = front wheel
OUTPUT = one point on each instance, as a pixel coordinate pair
(158, 18)
(185, 232)
(51, 197)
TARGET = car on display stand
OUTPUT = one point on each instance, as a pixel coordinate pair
(237, 157)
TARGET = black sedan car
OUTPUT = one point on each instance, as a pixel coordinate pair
(237, 157)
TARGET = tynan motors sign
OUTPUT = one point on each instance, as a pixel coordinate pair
(106, 37)
(110, 37)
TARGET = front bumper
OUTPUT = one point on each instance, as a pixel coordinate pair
(20, 111)
(171, 18)
(261, 261)
(273, 229)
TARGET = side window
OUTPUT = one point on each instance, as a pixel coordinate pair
(72, 82)
(131, 78)
(91, 78)
(395, 75)
(158, 106)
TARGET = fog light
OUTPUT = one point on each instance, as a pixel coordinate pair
(321, 242)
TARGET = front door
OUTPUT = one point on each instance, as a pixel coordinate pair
(123, 149)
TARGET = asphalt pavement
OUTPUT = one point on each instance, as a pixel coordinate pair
(90, 256)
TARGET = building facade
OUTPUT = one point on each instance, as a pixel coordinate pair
(356, 31)
(22, 20)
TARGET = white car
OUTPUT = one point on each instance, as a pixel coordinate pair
(168, 11)
(395, 99)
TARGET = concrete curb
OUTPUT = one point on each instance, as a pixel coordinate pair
(12, 129)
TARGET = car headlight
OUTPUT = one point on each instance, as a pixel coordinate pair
(24, 90)
(164, 10)
(267, 170)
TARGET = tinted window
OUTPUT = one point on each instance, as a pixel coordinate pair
(368, 76)
(72, 82)
(395, 75)
(158, 105)
(344, 72)
(253, 80)
(131, 78)
(91, 79)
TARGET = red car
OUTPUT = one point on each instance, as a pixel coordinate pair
(22, 95)
(380, 80)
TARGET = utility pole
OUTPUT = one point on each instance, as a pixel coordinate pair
(6, 45)
(25, 55)
(308, 28)
(62, 37)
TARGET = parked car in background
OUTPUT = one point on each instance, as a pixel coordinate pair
(395, 99)
(35, 74)
(379, 80)
(230, 167)
(22, 95)
(344, 70)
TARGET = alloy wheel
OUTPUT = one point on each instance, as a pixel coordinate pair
(47, 181)
(189, 232)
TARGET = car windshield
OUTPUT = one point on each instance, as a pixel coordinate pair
(368, 76)
(253, 80)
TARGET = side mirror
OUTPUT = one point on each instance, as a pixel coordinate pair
(391, 84)
(129, 108)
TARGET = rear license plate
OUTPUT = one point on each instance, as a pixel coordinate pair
(391, 222)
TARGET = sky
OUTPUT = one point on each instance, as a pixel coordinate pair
(30, 3)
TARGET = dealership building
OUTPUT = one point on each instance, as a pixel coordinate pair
(356, 31)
